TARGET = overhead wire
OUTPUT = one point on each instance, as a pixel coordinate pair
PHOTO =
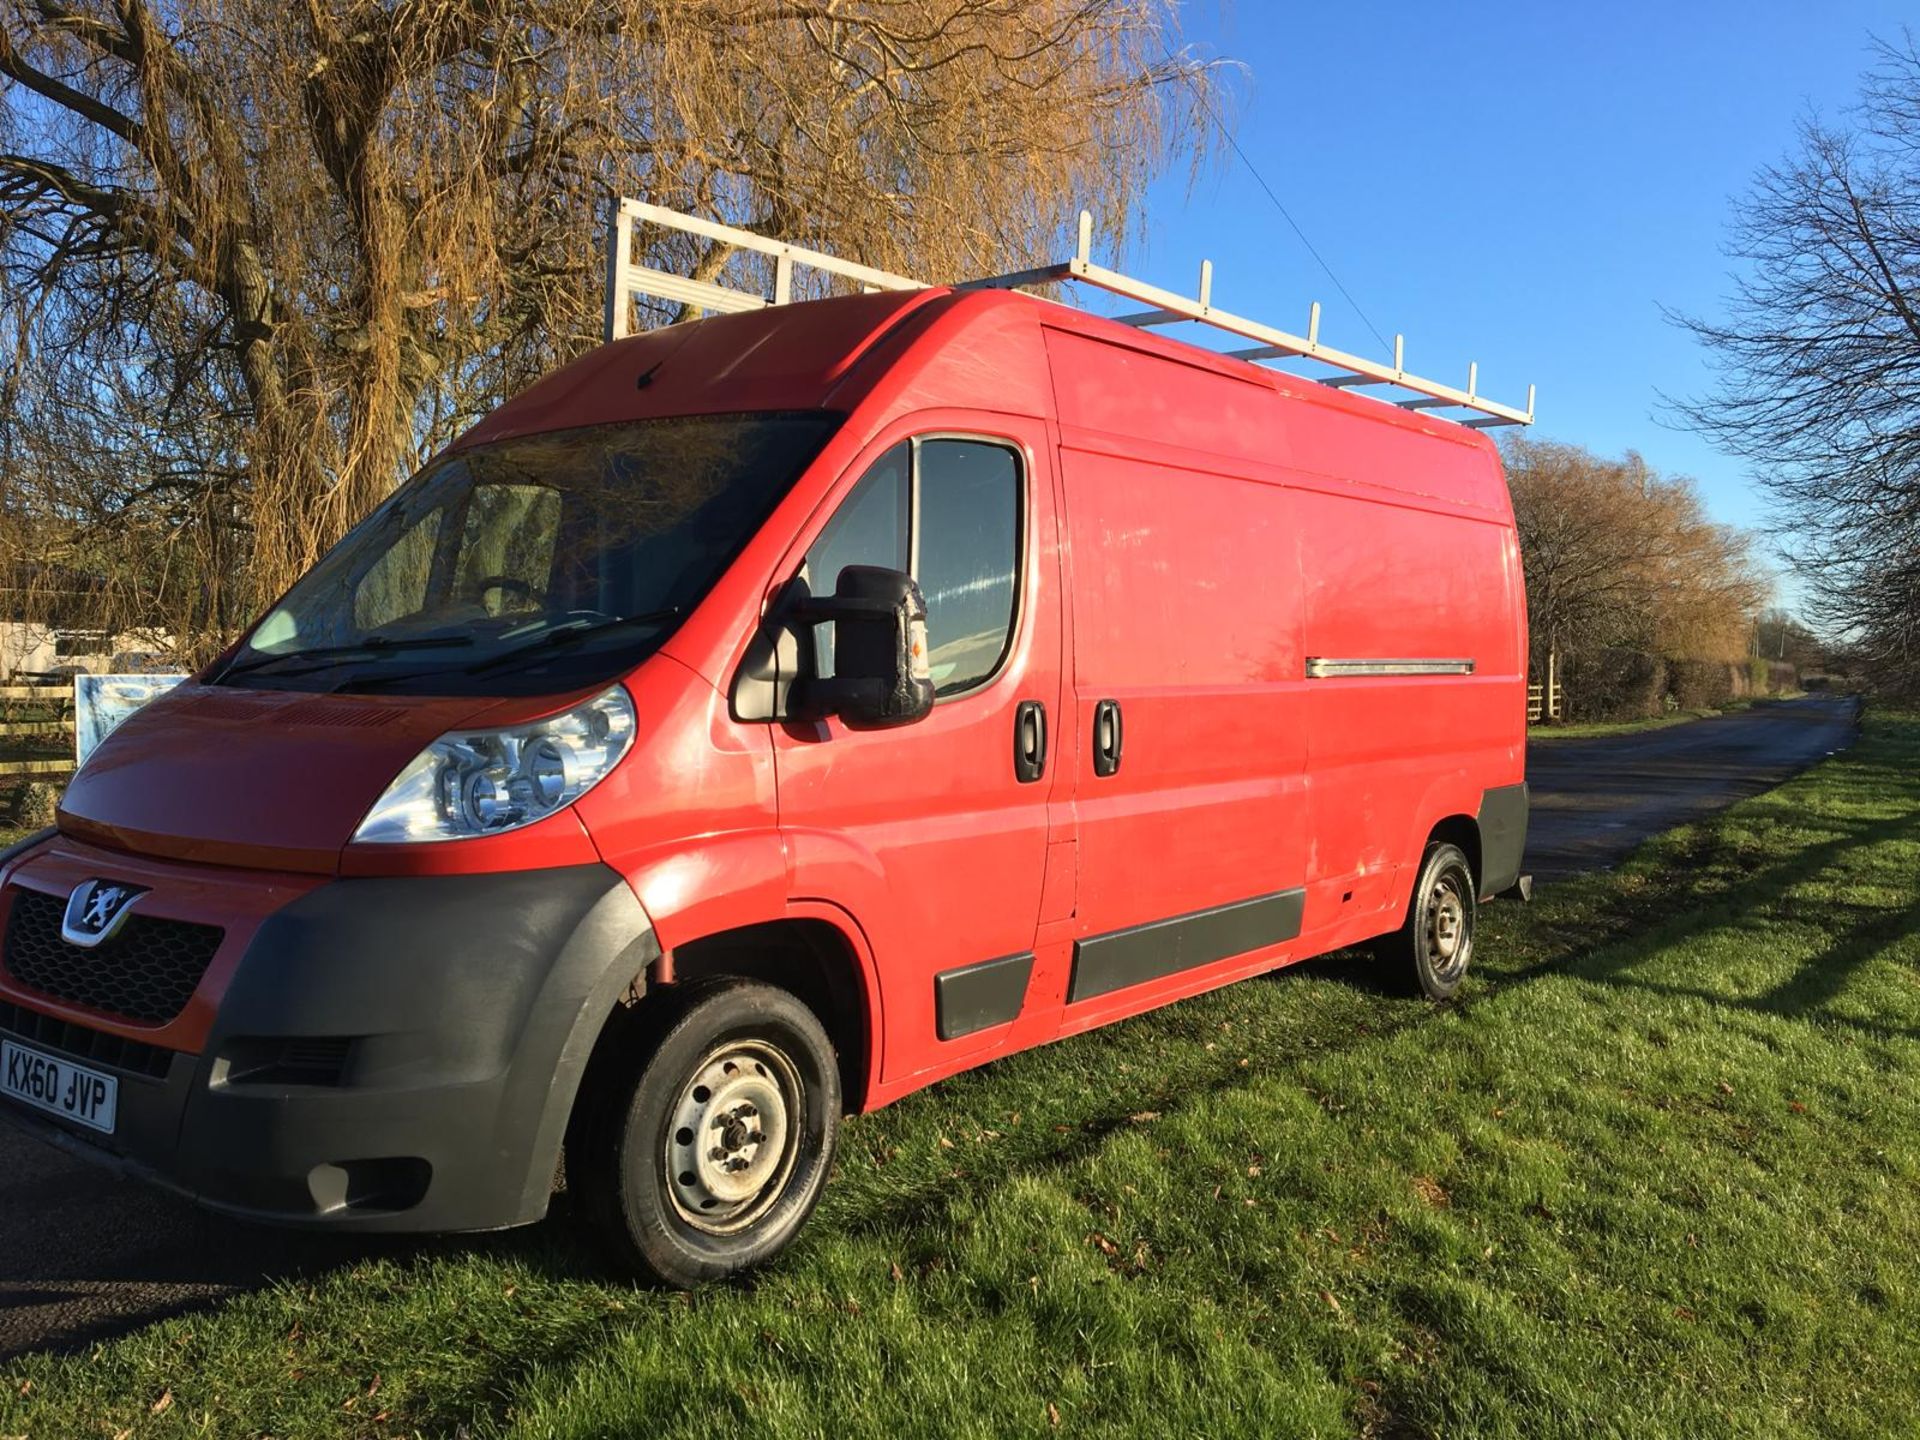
(1206, 103)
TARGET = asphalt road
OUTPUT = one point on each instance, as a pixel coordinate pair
(1595, 800)
(84, 1254)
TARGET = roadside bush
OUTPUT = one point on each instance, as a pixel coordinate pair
(1700, 684)
(1782, 677)
(34, 803)
(1616, 684)
(1759, 676)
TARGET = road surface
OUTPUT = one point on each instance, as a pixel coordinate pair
(83, 1254)
(1595, 800)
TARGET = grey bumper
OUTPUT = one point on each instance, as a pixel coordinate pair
(1503, 837)
(391, 1054)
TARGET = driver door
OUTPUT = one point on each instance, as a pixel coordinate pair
(939, 827)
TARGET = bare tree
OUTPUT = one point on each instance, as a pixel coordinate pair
(264, 255)
(1619, 557)
(1818, 358)
(1779, 635)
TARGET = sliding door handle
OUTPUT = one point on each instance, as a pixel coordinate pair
(1108, 737)
(1029, 741)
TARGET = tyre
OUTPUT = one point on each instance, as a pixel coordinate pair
(710, 1134)
(1434, 947)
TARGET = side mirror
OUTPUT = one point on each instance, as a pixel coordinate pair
(880, 677)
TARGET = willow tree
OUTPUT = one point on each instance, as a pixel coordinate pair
(317, 236)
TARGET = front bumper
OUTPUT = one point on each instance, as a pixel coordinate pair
(395, 1054)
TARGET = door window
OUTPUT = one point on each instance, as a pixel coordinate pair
(947, 511)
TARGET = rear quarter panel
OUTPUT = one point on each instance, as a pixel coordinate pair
(1407, 552)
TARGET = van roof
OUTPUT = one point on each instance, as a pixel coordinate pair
(807, 355)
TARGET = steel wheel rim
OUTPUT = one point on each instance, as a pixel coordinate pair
(734, 1136)
(1447, 928)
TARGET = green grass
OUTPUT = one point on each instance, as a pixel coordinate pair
(1656, 1175)
(1549, 731)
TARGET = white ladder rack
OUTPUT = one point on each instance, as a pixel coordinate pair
(626, 279)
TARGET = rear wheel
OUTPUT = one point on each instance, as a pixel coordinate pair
(712, 1139)
(1435, 945)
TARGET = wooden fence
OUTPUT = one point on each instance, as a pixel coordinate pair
(1547, 701)
(36, 712)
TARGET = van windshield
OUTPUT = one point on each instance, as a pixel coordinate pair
(534, 565)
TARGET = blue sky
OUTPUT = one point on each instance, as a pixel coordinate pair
(1520, 184)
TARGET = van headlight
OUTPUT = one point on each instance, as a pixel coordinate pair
(482, 782)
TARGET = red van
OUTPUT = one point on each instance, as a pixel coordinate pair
(755, 722)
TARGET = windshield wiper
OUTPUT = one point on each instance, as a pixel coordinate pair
(571, 634)
(331, 654)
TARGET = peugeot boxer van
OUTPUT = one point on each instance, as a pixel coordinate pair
(750, 724)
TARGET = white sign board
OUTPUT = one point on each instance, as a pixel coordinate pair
(100, 702)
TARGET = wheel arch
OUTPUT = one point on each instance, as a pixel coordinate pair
(816, 953)
(813, 950)
(1446, 811)
(1462, 832)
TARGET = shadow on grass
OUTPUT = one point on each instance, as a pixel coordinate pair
(1695, 871)
(1818, 981)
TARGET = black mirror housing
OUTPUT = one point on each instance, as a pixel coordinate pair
(880, 660)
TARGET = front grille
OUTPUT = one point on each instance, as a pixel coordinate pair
(134, 1056)
(146, 973)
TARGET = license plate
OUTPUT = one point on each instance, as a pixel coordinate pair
(59, 1087)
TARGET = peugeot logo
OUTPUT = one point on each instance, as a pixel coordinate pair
(96, 910)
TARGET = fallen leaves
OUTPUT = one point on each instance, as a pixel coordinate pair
(1432, 1192)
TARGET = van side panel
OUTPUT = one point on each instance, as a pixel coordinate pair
(1390, 454)
(1210, 407)
(1185, 589)
(1403, 578)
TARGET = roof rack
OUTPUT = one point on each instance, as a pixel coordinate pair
(626, 279)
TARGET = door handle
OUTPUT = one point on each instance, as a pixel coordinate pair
(1108, 736)
(1029, 741)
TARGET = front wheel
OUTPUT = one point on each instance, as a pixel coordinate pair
(1435, 945)
(713, 1140)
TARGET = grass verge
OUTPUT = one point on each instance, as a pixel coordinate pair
(1549, 732)
(1656, 1175)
